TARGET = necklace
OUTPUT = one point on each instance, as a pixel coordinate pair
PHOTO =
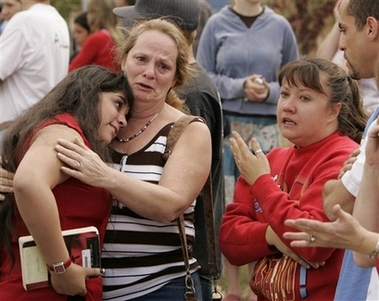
(139, 132)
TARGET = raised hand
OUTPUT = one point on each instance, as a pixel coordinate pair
(251, 165)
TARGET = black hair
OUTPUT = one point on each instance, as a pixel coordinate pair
(77, 94)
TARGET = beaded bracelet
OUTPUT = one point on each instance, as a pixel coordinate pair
(375, 253)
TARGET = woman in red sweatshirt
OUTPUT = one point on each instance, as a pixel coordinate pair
(100, 47)
(320, 112)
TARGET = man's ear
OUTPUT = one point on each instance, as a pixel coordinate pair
(372, 28)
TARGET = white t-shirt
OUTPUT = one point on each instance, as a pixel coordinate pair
(34, 57)
(369, 93)
(352, 178)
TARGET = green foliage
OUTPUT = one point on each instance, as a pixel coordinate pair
(308, 18)
(66, 6)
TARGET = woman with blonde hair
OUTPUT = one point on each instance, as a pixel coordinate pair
(142, 253)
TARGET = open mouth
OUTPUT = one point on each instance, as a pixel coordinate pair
(288, 121)
(144, 86)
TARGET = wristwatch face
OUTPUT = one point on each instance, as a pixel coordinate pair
(59, 268)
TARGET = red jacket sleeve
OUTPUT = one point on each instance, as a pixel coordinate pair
(242, 237)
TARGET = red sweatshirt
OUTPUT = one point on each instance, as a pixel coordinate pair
(293, 190)
(99, 49)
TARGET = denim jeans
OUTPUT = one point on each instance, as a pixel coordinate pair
(264, 129)
(173, 291)
(206, 288)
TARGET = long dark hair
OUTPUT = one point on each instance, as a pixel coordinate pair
(77, 94)
(343, 89)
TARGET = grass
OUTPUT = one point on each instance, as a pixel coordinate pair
(244, 279)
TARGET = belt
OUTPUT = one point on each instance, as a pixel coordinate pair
(5, 125)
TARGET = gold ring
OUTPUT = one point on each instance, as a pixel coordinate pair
(238, 162)
(258, 151)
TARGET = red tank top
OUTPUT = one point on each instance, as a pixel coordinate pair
(79, 205)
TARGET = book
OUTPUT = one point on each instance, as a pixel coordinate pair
(82, 244)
